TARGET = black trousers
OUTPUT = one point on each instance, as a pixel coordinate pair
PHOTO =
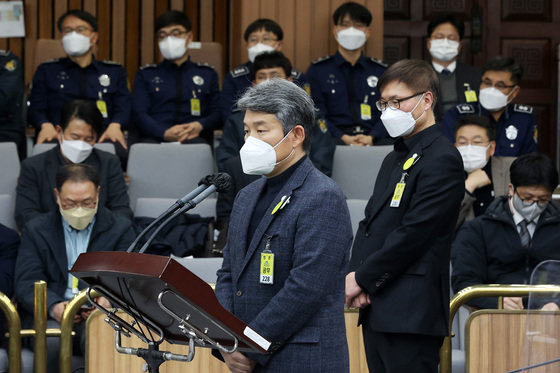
(398, 353)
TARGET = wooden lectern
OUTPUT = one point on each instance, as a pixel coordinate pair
(170, 302)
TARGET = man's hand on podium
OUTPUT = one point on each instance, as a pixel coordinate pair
(238, 363)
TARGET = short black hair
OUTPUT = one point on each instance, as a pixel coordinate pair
(81, 14)
(356, 12)
(418, 75)
(84, 110)
(266, 24)
(503, 63)
(269, 60)
(476, 120)
(171, 18)
(534, 169)
(77, 172)
(447, 18)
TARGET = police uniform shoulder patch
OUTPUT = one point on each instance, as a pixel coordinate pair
(240, 71)
(295, 74)
(204, 64)
(321, 59)
(10, 65)
(526, 109)
(5, 52)
(465, 109)
(148, 66)
(379, 62)
(109, 62)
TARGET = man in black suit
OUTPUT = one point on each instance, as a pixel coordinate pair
(458, 82)
(400, 260)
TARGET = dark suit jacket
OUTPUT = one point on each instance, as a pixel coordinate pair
(302, 313)
(401, 254)
(463, 74)
(37, 180)
(42, 254)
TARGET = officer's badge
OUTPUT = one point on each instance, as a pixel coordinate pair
(104, 80)
(511, 132)
(372, 81)
(465, 109)
(526, 109)
(62, 76)
(157, 80)
(10, 65)
(322, 125)
(198, 80)
(332, 79)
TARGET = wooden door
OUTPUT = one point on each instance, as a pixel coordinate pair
(528, 30)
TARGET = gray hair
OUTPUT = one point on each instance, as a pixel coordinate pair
(290, 104)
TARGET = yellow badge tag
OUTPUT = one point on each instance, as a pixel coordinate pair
(75, 282)
(365, 109)
(267, 268)
(397, 194)
(102, 106)
(195, 107)
(470, 96)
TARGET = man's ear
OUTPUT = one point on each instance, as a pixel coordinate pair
(299, 135)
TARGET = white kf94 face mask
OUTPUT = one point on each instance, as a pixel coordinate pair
(259, 157)
(172, 47)
(444, 49)
(351, 38)
(75, 150)
(399, 123)
(75, 44)
(474, 157)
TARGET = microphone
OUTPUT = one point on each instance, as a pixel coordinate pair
(204, 183)
(220, 183)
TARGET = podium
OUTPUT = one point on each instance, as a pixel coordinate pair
(167, 303)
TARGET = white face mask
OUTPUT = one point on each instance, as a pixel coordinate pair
(259, 157)
(444, 49)
(172, 47)
(529, 210)
(474, 157)
(398, 122)
(78, 217)
(257, 49)
(75, 150)
(351, 38)
(75, 44)
(492, 99)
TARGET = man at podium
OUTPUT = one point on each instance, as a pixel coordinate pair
(288, 242)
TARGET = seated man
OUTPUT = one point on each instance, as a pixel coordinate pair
(11, 99)
(515, 124)
(80, 125)
(51, 243)
(175, 100)
(514, 235)
(487, 177)
(262, 35)
(344, 86)
(80, 76)
(458, 82)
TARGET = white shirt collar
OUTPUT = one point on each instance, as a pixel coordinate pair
(439, 68)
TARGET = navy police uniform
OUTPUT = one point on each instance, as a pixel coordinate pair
(238, 80)
(60, 80)
(346, 95)
(166, 94)
(516, 129)
(11, 98)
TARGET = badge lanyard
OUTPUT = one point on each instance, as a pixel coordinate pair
(267, 256)
(399, 188)
(470, 95)
(195, 105)
(102, 105)
(365, 109)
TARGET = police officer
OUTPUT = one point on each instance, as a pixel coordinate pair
(262, 35)
(516, 128)
(176, 100)
(343, 86)
(80, 76)
(11, 97)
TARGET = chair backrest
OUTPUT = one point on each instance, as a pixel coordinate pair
(41, 148)
(166, 170)
(208, 52)
(7, 205)
(355, 168)
(47, 49)
(153, 207)
(357, 214)
(9, 168)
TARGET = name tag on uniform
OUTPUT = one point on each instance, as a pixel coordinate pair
(267, 268)
(397, 194)
(75, 282)
(195, 107)
(470, 96)
(365, 110)
(102, 106)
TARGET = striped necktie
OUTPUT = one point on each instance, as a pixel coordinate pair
(524, 234)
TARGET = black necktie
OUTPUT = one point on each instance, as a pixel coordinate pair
(445, 72)
(524, 234)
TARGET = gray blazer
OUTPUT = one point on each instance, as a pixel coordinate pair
(302, 313)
